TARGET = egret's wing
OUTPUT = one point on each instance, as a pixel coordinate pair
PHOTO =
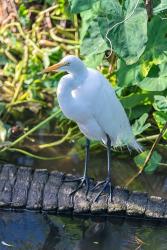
(110, 115)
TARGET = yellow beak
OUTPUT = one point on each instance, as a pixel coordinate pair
(54, 67)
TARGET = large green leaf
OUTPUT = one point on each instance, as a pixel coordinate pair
(94, 37)
(140, 125)
(93, 60)
(153, 162)
(77, 6)
(133, 100)
(161, 118)
(160, 7)
(113, 8)
(138, 111)
(160, 103)
(163, 69)
(126, 28)
(157, 41)
(93, 45)
(128, 75)
(153, 84)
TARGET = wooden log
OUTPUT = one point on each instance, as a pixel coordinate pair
(35, 194)
(50, 196)
(22, 187)
(7, 180)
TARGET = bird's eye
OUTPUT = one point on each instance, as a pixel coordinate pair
(67, 63)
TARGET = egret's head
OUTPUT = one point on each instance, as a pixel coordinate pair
(70, 64)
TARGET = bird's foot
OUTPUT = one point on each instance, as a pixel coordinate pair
(106, 186)
(84, 181)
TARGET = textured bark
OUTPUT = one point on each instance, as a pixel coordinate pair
(7, 11)
(43, 191)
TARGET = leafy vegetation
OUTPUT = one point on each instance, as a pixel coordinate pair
(117, 37)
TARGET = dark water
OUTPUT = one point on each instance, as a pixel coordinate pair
(34, 231)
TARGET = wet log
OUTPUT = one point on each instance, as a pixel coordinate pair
(40, 190)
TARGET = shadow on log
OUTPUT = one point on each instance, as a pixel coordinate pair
(25, 188)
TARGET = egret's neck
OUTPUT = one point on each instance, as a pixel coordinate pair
(70, 82)
(78, 73)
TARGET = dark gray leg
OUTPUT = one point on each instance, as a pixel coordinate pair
(107, 182)
(84, 179)
(87, 147)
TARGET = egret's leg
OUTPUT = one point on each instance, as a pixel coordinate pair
(84, 179)
(107, 182)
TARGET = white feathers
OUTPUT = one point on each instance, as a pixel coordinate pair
(86, 97)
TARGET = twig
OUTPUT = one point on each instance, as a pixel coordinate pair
(149, 8)
(148, 156)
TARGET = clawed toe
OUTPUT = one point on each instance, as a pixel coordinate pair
(84, 181)
(106, 185)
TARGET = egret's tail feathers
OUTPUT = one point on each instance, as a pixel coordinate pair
(135, 145)
(131, 144)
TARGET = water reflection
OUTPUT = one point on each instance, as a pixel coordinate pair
(31, 231)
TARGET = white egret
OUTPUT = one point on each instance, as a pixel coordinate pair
(86, 97)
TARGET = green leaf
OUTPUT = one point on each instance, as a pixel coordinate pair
(153, 84)
(139, 126)
(126, 29)
(93, 34)
(161, 118)
(163, 69)
(94, 60)
(111, 7)
(133, 100)
(157, 41)
(90, 32)
(128, 75)
(138, 111)
(2, 107)
(153, 162)
(23, 15)
(160, 103)
(77, 6)
(3, 59)
(160, 7)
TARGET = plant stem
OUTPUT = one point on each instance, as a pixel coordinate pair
(149, 155)
(149, 8)
(56, 143)
(49, 9)
(62, 40)
(151, 137)
(21, 138)
(35, 156)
